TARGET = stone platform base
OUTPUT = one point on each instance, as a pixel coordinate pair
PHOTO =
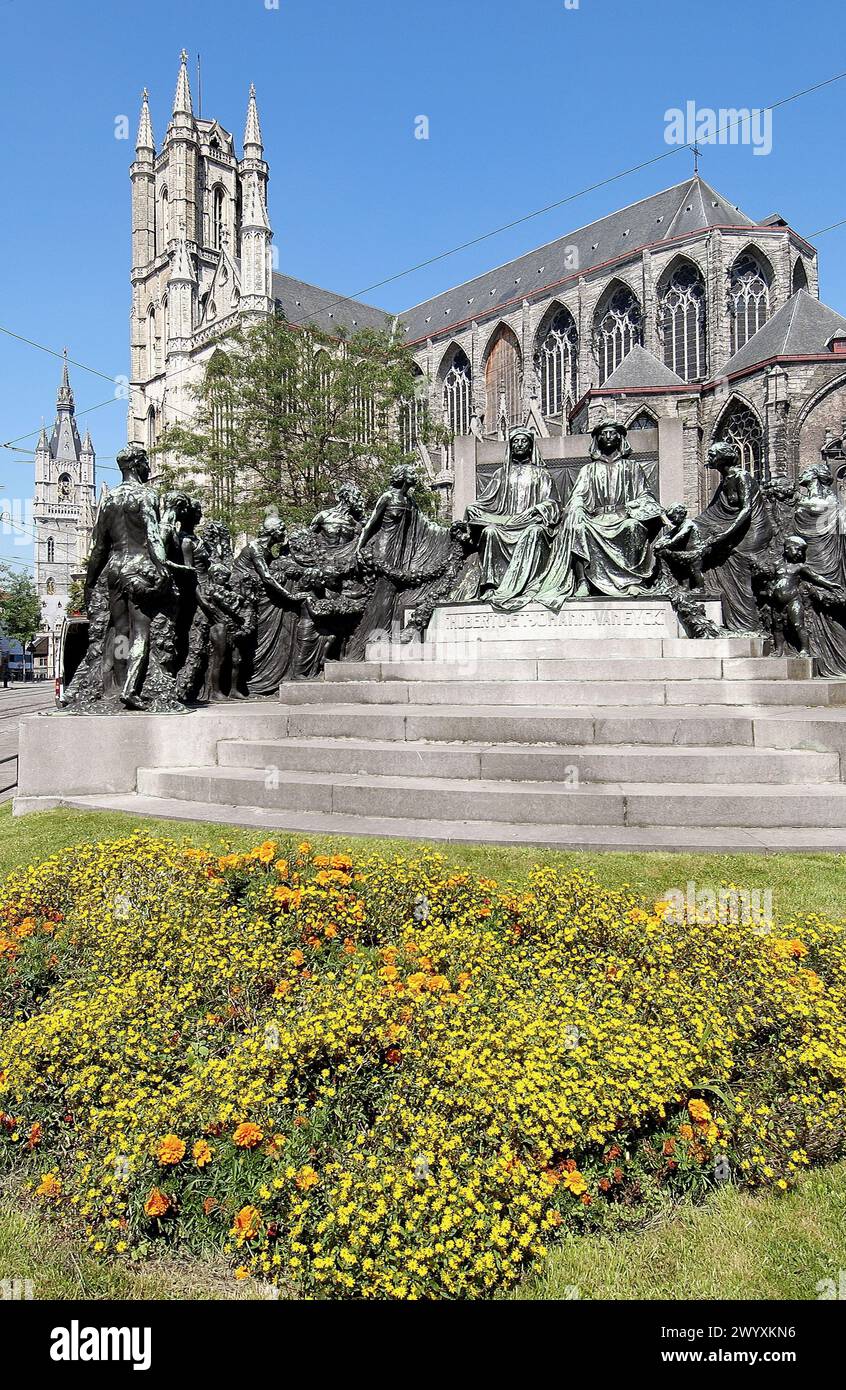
(593, 619)
(657, 743)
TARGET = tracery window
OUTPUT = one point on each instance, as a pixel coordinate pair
(681, 321)
(502, 380)
(412, 417)
(741, 426)
(218, 210)
(457, 395)
(164, 221)
(618, 327)
(51, 550)
(642, 421)
(557, 364)
(151, 427)
(749, 298)
(151, 341)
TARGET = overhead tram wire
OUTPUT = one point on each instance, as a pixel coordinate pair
(473, 241)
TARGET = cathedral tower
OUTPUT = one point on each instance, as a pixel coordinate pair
(201, 257)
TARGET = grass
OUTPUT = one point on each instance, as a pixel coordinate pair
(739, 1245)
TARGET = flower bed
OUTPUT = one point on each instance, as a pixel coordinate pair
(384, 1078)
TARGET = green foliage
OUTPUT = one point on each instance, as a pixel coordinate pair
(284, 413)
(20, 606)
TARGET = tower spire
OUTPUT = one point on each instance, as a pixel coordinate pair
(145, 139)
(64, 395)
(253, 146)
(182, 99)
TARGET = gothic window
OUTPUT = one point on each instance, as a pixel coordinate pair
(681, 321)
(800, 276)
(618, 327)
(502, 380)
(165, 332)
(164, 221)
(643, 421)
(412, 415)
(151, 341)
(64, 487)
(741, 426)
(557, 364)
(364, 415)
(218, 213)
(51, 550)
(457, 387)
(151, 427)
(749, 298)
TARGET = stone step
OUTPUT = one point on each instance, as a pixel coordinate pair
(431, 799)
(661, 724)
(664, 839)
(588, 694)
(564, 648)
(598, 667)
(580, 762)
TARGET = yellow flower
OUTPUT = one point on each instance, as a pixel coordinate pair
(306, 1178)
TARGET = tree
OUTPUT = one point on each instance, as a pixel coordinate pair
(283, 413)
(20, 607)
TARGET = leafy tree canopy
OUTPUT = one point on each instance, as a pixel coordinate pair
(284, 413)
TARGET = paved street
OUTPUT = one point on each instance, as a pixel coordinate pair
(17, 700)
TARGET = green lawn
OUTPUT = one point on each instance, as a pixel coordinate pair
(738, 1245)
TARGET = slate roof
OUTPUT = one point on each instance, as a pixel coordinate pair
(686, 207)
(801, 327)
(304, 303)
(640, 368)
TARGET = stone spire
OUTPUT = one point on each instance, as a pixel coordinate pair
(182, 100)
(64, 395)
(145, 141)
(253, 146)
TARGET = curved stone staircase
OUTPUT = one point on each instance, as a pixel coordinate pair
(563, 742)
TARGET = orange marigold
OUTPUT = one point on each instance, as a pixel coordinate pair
(246, 1224)
(157, 1203)
(202, 1153)
(306, 1178)
(171, 1150)
(247, 1136)
(49, 1186)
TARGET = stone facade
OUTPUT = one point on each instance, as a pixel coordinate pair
(63, 513)
(683, 275)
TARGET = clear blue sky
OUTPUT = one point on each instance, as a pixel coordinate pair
(527, 102)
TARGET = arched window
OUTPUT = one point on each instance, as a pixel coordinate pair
(164, 221)
(681, 320)
(218, 215)
(65, 487)
(412, 415)
(151, 427)
(642, 421)
(51, 550)
(557, 364)
(503, 370)
(457, 400)
(800, 276)
(364, 415)
(618, 327)
(741, 426)
(165, 332)
(749, 298)
(151, 341)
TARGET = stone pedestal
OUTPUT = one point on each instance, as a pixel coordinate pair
(634, 619)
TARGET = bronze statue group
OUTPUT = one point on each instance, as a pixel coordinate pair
(177, 618)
